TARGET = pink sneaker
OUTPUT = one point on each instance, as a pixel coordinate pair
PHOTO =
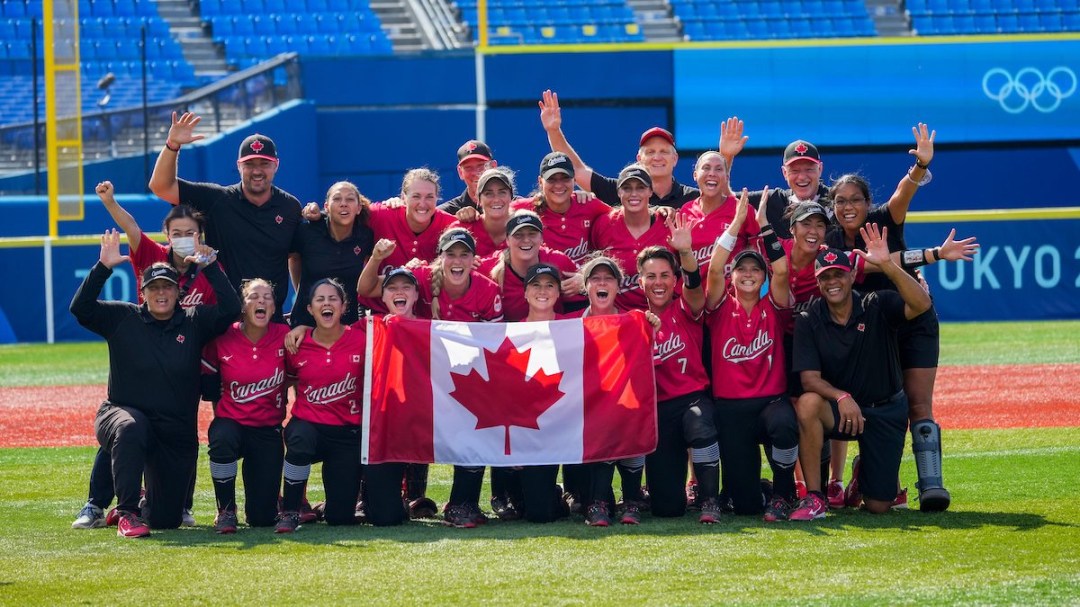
(852, 495)
(131, 525)
(800, 490)
(835, 493)
(900, 503)
(810, 508)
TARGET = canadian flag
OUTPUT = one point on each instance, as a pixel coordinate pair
(509, 394)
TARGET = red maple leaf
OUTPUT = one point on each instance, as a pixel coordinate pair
(507, 398)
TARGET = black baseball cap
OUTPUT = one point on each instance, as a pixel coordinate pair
(807, 209)
(490, 174)
(752, 254)
(455, 235)
(831, 258)
(657, 132)
(634, 171)
(556, 162)
(474, 149)
(543, 269)
(159, 271)
(523, 219)
(801, 150)
(257, 146)
(393, 273)
(601, 262)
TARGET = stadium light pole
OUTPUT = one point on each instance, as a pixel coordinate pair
(37, 112)
(481, 79)
(145, 114)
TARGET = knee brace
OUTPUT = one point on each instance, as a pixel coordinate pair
(926, 444)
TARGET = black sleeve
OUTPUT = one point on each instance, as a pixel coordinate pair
(891, 305)
(606, 189)
(214, 320)
(210, 387)
(776, 204)
(200, 196)
(101, 317)
(804, 356)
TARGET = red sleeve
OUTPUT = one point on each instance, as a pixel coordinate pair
(146, 254)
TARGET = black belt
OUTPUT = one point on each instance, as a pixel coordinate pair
(888, 401)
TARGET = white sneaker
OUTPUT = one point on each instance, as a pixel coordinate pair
(188, 519)
(90, 517)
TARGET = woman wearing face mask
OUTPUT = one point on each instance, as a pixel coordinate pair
(183, 227)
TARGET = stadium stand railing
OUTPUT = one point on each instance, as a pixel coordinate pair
(554, 21)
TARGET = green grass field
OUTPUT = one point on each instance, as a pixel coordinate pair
(1012, 536)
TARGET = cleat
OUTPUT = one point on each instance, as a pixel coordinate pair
(187, 518)
(900, 502)
(597, 515)
(692, 496)
(835, 494)
(287, 522)
(130, 525)
(478, 515)
(225, 522)
(572, 504)
(631, 514)
(710, 511)
(112, 518)
(307, 513)
(423, 507)
(90, 517)
(852, 495)
(459, 516)
(778, 510)
(934, 500)
(809, 508)
(800, 489)
(504, 509)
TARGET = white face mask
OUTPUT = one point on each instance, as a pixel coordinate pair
(184, 245)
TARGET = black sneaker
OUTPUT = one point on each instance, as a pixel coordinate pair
(423, 507)
(225, 522)
(710, 511)
(459, 516)
(477, 515)
(778, 510)
(287, 522)
(597, 515)
(631, 514)
(504, 509)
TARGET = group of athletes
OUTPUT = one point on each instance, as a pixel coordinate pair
(792, 319)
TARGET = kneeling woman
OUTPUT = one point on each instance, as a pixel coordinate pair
(250, 360)
(747, 341)
(328, 369)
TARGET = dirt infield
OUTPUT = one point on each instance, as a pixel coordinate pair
(970, 397)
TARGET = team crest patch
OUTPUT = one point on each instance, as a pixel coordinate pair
(281, 352)
(861, 327)
(587, 223)
(356, 358)
(279, 219)
(179, 339)
(357, 250)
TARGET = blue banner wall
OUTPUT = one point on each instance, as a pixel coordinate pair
(864, 94)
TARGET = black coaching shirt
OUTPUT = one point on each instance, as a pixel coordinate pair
(860, 357)
(154, 365)
(323, 257)
(464, 201)
(778, 202)
(872, 281)
(252, 241)
(607, 190)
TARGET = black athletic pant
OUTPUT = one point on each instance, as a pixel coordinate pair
(540, 501)
(101, 483)
(599, 476)
(742, 425)
(263, 452)
(468, 482)
(682, 423)
(165, 453)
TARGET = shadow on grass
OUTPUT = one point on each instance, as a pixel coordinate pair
(432, 530)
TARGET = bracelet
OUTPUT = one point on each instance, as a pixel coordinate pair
(925, 180)
(842, 396)
(936, 251)
(919, 163)
(727, 241)
(913, 258)
(693, 279)
(171, 148)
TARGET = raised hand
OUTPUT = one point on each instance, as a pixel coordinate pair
(383, 249)
(104, 191)
(877, 248)
(110, 256)
(550, 113)
(312, 212)
(681, 238)
(958, 250)
(762, 212)
(204, 255)
(924, 143)
(183, 128)
(732, 139)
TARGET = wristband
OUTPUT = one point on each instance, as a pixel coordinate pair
(919, 163)
(913, 258)
(727, 241)
(842, 396)
(936, 251)
(925, 180)
(693, 279)
(171, 148)
(773, 249)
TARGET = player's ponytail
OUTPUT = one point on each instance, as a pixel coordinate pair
(436, 286)
(498, 273)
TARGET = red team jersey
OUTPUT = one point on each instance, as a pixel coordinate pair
(329, 381)
(515, 308)
(390, 223)
(804, 287)
(748, 349)
(252, 375)
(481, 302)
(485, 245)
(677, 353)
(568, 232)
(711, 226)
(611, 236)
(149, 252)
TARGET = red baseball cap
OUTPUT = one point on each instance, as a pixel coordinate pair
(657, 132)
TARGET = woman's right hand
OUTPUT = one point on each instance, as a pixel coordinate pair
(104, 191)
(383, 248)
(312, 212)
(110, 256)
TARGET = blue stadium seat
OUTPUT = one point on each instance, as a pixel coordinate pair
(1008, 24)
(285, 24)
(274, 7)
(211, 7)
(1029, 23)
(772, 9)
(982, 7)
(1071, 21)
(800, 27)
(985, 24)
(1051, 22)
(317, 6)
(125, 8)
(14, 8)
(223, 28)
(965, 24)
(1024, 6)
(243, 25)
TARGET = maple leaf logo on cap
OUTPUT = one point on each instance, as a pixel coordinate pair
(829, 257)
(257, 146)
(471, 146)
(801, 148)
(506, 367)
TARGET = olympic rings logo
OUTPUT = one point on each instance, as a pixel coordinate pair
(1029, 87)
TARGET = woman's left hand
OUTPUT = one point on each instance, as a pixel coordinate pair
(680, 227)
(924, 143)
(204, 255)
(958, 250)
(294, 337)
(572, 283)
